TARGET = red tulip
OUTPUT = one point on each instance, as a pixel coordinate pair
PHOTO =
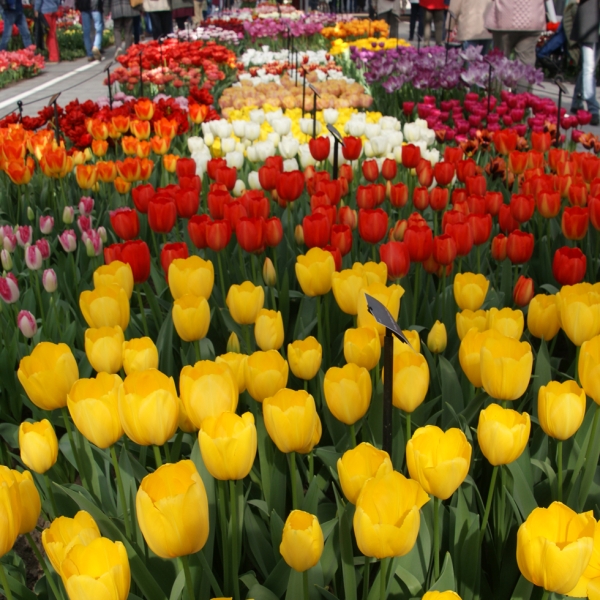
(346, 172)
(548, 204)
(341, 238)
(451, 217)
(372, 224)
(421, 198)
(162, 214)
(319, 199)
(370, 170)
(185, 167)
(352, 148)
(316, 229)
(594, 210)
(197, 230)
(251, 234)
(590, 168)
(444, 172)
(419, 241)
(329, 211)
(574, 223)
(348, 216)
(170, 252)
(290, 185)
(517, 162)
(337, 256)
(332, 189)
(389, 169)
(395, 255)
(233, 212)
(125, 222)
(217, 200)
(190, 182)
(505, 141)
(187, 202)
(135, 253)
(424, 173)
(505, 219)
(557, 156)
(379, 193)
(407, 108)
(453, 154)
(535, 160)
(275, 161)
(541, 141)
(463, 236)
(476, 185)
(444, 249)
(314, 182)
(411, 155)
(481, 228)
(466, 168)
(399, 195)
(438, 198)
(522, 207)
(498, 249)
(476, 205)
(578, 194)
(563, 184)
(227, 176)
(519, 247)
(273, 232)
(365, 197)
(523, 292)
(213, 165)
(459, 195)
(569, 265)
(142, 194)
(268, 177)
(319, 148)
(218, 234)
(396, 233)
(256, 204)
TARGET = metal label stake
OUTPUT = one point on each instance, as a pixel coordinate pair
(314, 111)
(56, 126)
(337, 141)
(561, 90)
(108, 82)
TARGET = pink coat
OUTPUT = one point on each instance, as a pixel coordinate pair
(516, 15)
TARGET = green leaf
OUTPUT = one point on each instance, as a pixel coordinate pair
(591, 464)
(345, 515)
(412, 569)
(259, 592)
(19, 591)
(446, 580)
(178, 586)
(522, 590)
(259, 543)
(451, 391)
(164, 344)
(543, 373)
(522, 489)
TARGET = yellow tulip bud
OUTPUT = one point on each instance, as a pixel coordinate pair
(228, 445)
(505, 367)
(314, 271)
(208, 389)
(94, 408)
(47, 375)
(561, 408)
(149, 407)
(542, 317)
(362, 347)
(233, 343)
(191, 317)
(31, 505)
(265, 374)
(268, 329)
(469, 353)
(438, 460)
(589, 368)
(237, 363)
(372, 271)
(387, 517)
(38, 445)
(554, 546)
(172, 510)
(389, 296)
(435, 595)
(139, 354)
(305, 357)
(347, 286)
(106, 306)
(507, 321)
(299, 235)
(244, 302)
(11, 510)
(348, 392)
(192, 275)
(116, 272)
(104, 348)
(269, 274)
(359, 465)
(64, 533)
(411, 380)
(470, 290)
(579, 309)
(468, 319)
(100, 569)
(502, 434)
(290, 419)
(437, 339)
(302, 541)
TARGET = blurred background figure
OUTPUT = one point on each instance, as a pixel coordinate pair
(12, 14)
(433, 11)
(91, 15)
(123, 13)
(389, 11)
(161, 17)
(415, 19)
(49, 8)
(182, 11)
(470, 29)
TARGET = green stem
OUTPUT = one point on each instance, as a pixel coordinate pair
(248, 339)
(234, 539)
(311, 466)
(221, 277)
(293, 475)
(51, 494)
(44, 566)
(4, 583)
(157, 457)
(488, 505)
(366, 577)
(353, 435)
(436, 538)
(142, 311)
(545, 595)
(479, 259)
(38, 293)
(373, 253)
(223, 525)
(319, 321)
(560, 468)
(121, 490)
(577, 352)
(305, 584)
(185, 563)
(65, 417)
(408, 427)
(416, 294)
(383, 577)
(197, 350)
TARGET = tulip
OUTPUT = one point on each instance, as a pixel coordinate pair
(387, 518)
(228, 445)
(352, 148)
(435, 595)
(273, 232)
(172, 510)
(191, 275)
(347, 287)
(268, 272)
(502, 434)
(437, 339)
(125, 222)
(142, 194)
(362, 347)
(358, 465)
(542, 317)
(569, 265)
(116, 272)
(47, 375)
(304, 357)
(38, 445)
(389, 296)
(29, 500)
(314, 271)
(574, 222)
(26, 323)
(397, 258)
(319, 148)
(207, 389)
(244, 302)
(548, 203)
(373, 272)
(522, 207)
(499, 247)
(134, 253)
(33, 258)
(348, 392)
(505, 367)
(554, 546)
(106, 306)
(265, 374)
(469, 353)
(519, 247)
(411, 380)
(9, 289)
(588, 368)
(470, 290)
(191, 317)
(561, 408)
(148, 407)
(268, 329)
(316, 229)
(6, 260)
(139, 354)
(291, 420)
(444, 249)
(302, 541)
(170, 252)
(104, 348)
(506, 321)
(579, 310)
(372, 225)
(523, 292)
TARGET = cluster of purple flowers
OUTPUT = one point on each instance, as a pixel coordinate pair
(312, 24)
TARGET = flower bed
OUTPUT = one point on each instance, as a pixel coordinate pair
(19, 64)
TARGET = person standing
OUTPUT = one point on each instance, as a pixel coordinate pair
(122, 13)
(91, 12)
(182, 11)
(12, 14)
(469, 23)
(415, 19)
(433, 11)
(389, 11)
(49, 8)
(161, 17)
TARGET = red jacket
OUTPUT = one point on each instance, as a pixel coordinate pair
(433, 4)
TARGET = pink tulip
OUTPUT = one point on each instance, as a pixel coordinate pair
(68, 240)
(6, 259)
(68, 215)
(46, 224)
(84, 223)
(33, 258)
(23, 235)
(9, 289)
(10, 242)
(49, 280)
(92, 241)
(26, 323)
(44, 247)
(86, 206)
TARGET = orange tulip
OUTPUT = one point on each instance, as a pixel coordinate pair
(54, 161)
(19, 171)
(122, 186)
(160, 145)
(143, 149)
(97, 129)
(141, 129)
(146, 166)
(121, 123)
(166, 128)
(129, 144)
(198, 113)
(170, 162)
(13, 150)
(99, 147)
(106, 171)
(86, 176)
(144, 109)
(129, 169)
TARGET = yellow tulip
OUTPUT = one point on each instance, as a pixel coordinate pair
(469, 353)
(47, 375)
(435, 595)
(207, 389)
(172, 510)
(554, 546)
(290, 419)
(304, 357)
(543, 320)
(373, 272)
(387, 518)
(414, 343)
(438, 460)
(359, 465)
(104, 348)
(437, 339)
(10, 510)
(468, 319)
(502, 434)
(265, 373)
(38, 445)
(389, 296)
(411, 381)
(233, 343)
(302, 541)
(507, 321)
(268, 329)
(192, 275)
(228, 445)
(106, 306)
(31, 505)
(244, 301)
(64, 533)
(191, 317)
(362, 347)
(237, 363)
(139, 354)
(348, 392)
(314, 271)
(505, 367)
(579, 309)
(589, 583)
(589, 368)
(470, 290)
(116, 272)
(561, 408)
(98, 570)
(269, 273)
(148, 407)
(347, 286)
(94, 408)
(183, 421)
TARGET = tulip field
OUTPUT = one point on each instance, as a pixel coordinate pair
(191, 382)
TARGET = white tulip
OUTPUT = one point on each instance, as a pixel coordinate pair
(201, 159)
(306, 159)
(282, 126)
(291, 164)
(265, 149)
(379, 145)
(195, 143)
(428, 135)
(273, 115)
(372, 130)
(288, 146)
(209, 139)
(252, 131)
(239, 188)
(235, 159)
(398, 154)
(432, 155)
(273, 138)
(355, 127)
(257, 116)
(239, 128)
(330, 115)
(395, 138)
(368, 149)
(252, 154)
(412, 132)
(227, 145)
(253, 181)
(306, 126)
(389, 123)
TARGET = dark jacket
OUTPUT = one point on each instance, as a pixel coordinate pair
(88, 5)
(120, 9)
(586, 23)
